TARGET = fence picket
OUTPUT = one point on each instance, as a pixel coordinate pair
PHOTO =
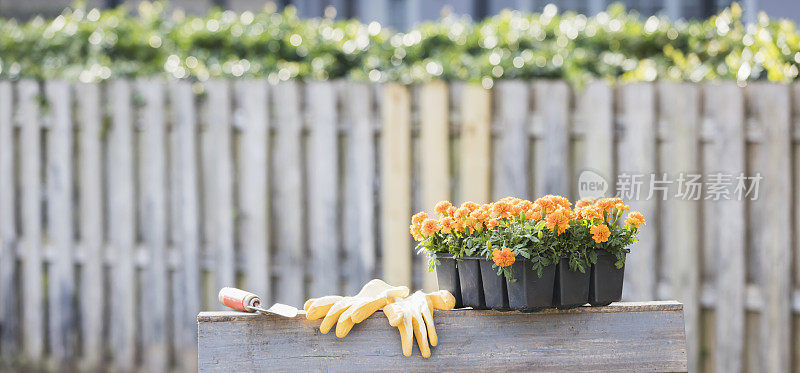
(122, 223)
(323, 189)
(435, 151)
(637, 107)
(220, 191)
(679, 108)
(60, 225)
(188, 293)
(725, 108)
(359, 232)
(594, 114)
(475, 151)
(9, 311)
(770, 220)
(252, 97)
(395, 188)
(511, 157)
(288, 191)
(154, 211)
(91, 222)
(30, 139)
(551, 108)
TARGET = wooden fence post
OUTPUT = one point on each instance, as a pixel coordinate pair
(511, 156)
(187, 291)
(252, 98)
(396, 185)
(288, 194)
(122, 223)
(359, 232)
(91, 194)
(434, 149)
(637, 158)
(31, 199)
(154, 219)
(770, 219)
(724, 106)
(552, 128)
(594, 120)
(61, 286)
(679, 108)
(476, 137)
(9, 314)
(323, 189)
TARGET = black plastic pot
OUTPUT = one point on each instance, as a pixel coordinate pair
(606, 281)
(469, 275)
(495, 294)
(530, 292)
(447, 274)
(571, 287)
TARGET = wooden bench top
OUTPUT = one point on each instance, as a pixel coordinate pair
(622, 336)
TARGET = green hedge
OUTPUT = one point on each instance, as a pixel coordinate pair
(92, 45)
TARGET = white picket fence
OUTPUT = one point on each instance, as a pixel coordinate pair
(125, 206)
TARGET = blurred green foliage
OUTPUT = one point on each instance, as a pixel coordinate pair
(92, 45)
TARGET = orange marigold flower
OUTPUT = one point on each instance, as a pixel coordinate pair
(441, 207)
(635, 219)
(429, 227)
(447, 225)
(462, 212)
(584, 202)
(419, 217)
(503, 258)
(471, 223)
(600, 233)
(469, 205)
(589, 212)
(501, 209)
(525, 205)
(558, 220)
(492, 223)
(451, 211)
(415, 232)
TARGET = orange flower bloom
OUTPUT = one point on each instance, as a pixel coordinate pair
(635, 219)
(429, 227)
(441, 207)
(607, 204)
(503, 258)
(471, 223)
(469, 205)
(462, 212)
(492, 223)
(451, 211)
(558, 219)
(418, 218)
(415, 232)
(600, 233)
(447, 225)
(589, 212)
(501, 209)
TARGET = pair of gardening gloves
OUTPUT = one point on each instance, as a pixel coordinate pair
(410, 314)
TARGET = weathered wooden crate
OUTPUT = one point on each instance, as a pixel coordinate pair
(623, 336)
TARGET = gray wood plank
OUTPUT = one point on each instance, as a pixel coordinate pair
(434, 150)
(154, 231)
(724, 106)
(770, 222)
(33, 328)
(90, 190)
(252, 97)
(475, 144)
(288, 187)
(323, 189)
(552, 128)
(679, 108)
(220, 190)
(636, 156)
(396, 184)
(59, 183)
(644, 337)
(359, 207)
(595, 119)
(9, 314)
(187, 298)
(511, 156)
(122, 224)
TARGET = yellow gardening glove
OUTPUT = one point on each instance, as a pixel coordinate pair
(348, 311)
(415, 315)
